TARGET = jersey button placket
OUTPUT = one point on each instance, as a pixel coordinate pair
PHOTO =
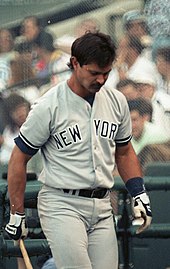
(98, 168)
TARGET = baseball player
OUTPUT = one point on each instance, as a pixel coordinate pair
(83, 129)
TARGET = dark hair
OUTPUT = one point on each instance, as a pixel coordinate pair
(124, 82)
(23, 47)
(95, 48)
(44, 40)
(10, 104)
(136, 44)
(143, 106)
(164, 53)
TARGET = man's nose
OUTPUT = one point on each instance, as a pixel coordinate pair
(101, 78)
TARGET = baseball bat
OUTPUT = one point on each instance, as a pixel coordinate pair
(25, 255)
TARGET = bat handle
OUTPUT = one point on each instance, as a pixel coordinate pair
(25, 255)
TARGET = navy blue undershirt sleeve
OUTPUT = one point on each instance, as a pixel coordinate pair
(24, 147)
(123, 142)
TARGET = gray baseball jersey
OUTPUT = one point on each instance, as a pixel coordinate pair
(77, 140)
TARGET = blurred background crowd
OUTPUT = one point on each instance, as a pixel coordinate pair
(35, 60)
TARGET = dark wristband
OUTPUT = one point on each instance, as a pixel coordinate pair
(135, 186)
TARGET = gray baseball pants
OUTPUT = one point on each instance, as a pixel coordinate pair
(80, 231)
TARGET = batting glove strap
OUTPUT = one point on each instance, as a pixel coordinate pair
(17, 228)
(142, 209)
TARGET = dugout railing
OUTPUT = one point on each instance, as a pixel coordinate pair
(38, 246)
(151, 248)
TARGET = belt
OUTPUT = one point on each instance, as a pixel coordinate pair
(90, 193)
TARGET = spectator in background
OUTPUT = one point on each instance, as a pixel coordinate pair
(4, 73)
(25, 50)
(30, 29)
(22, 80)
(17, 109)
(6, 43)
(143, 131)
(134, 60)
(158, 17)
(135, 25)
(86, 25)
(157, 152)
(134, 22)
(52, 62)
(160, 101)
(6, 54)
(163, 66)
(129, 88)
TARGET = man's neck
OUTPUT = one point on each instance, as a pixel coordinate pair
(76, 87)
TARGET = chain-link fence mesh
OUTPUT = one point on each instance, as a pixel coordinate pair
(140, 30)
(35, 42)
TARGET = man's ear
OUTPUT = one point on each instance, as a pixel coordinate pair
(74, 61)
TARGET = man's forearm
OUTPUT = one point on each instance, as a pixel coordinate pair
(16, 189)
(129, 168)
(127, 164)
(17, 181)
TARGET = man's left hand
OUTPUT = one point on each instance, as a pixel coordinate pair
(142, 209)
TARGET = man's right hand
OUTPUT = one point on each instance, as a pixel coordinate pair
(17, 228)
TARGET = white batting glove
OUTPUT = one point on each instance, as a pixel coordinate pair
(142, 210)
(17, 227)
